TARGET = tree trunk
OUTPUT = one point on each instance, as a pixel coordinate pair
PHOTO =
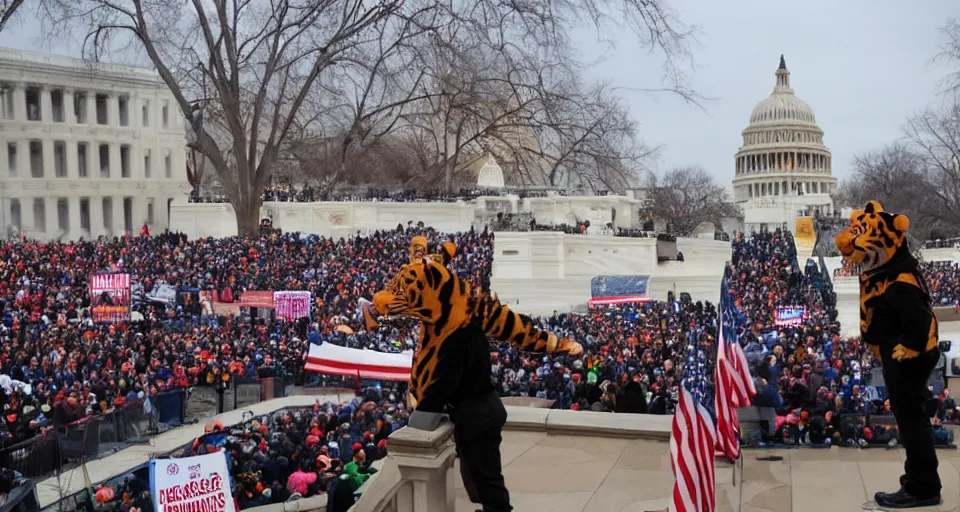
(248, 217)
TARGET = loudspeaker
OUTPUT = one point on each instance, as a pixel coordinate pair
(670, 296)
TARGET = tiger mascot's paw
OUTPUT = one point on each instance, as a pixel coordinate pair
(411, 401)
(900, 353)
(570, 347)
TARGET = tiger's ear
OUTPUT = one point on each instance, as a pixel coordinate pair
(873, 207)
(448, 251)
(901, 222)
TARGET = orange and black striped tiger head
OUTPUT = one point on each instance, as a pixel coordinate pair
(874, 236)
(418, 289)
(418, 248)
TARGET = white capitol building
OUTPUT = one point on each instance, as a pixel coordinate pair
(86, 149)
(783, 169)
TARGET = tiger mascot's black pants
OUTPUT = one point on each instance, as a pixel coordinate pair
(477, 433)
(907, 389)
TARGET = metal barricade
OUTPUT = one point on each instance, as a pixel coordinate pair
(81, 439)
(34, 457)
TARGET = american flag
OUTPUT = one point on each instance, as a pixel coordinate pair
(732, 382)
(692, 443)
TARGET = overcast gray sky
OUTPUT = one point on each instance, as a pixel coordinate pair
(863, 65)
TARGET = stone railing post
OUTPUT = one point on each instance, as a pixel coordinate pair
(425, 462)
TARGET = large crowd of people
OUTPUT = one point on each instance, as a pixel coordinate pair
(57, 365)
(308, 194)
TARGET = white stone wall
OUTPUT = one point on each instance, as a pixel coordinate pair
(332, 218)
(541, 272)
(127, 111)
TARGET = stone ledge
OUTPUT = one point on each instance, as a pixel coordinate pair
(409, 441)
(526, 418)
(560, 422)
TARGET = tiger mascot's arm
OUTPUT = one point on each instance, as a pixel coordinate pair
(503, 324)
(918, 331)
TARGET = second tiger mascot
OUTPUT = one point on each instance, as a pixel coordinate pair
(898, 323)
(451, 368)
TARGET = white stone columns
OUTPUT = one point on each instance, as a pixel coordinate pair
(69, 115)
(114, 150)
(73, 205)
(46, 149)
(118, 225)
(26, 215)
(46, 105)
(97, 224)
(72, 160)
(19, 92)
(91, 107)
(113, 110)
(53, 219)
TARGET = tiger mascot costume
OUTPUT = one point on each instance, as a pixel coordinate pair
(898, 323)
(451, 367)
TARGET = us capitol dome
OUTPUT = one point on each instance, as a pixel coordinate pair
(783, 169)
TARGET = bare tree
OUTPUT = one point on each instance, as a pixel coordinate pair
(524, 103)
(893, 175)
(240, 68)
(935, 136)
(250, 76)
(950, 53)
(7, 9)
(587, 140)
(686, 197)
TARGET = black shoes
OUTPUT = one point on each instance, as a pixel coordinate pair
(903, 499)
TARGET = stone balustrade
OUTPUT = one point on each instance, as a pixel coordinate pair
(418, 472)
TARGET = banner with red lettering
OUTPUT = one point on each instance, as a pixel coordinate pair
(110, 297)
(200, 483)
(291, 305)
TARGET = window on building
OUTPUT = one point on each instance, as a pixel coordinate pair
(146, 164)
(167, 164)
(104, 160)
(12, 158)
(150, 210)
(85, 214)
(128, 214)
(165, 115)
(16, 216)
(60, 159)
(80, 107)
(63, 214)
(6, 102)
(82, 155)
(101, 101)
(40, 215)
(124, 161)
(107, 208)
(56, 104)
(145, 113)
(36, 159)
(169, 209)
(123, 110)
(33, 103)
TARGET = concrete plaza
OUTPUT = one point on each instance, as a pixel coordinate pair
(560, 473)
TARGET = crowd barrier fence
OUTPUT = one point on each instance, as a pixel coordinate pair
(87, 438)
(249, 389)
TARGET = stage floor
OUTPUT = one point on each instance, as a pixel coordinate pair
(574, 474)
